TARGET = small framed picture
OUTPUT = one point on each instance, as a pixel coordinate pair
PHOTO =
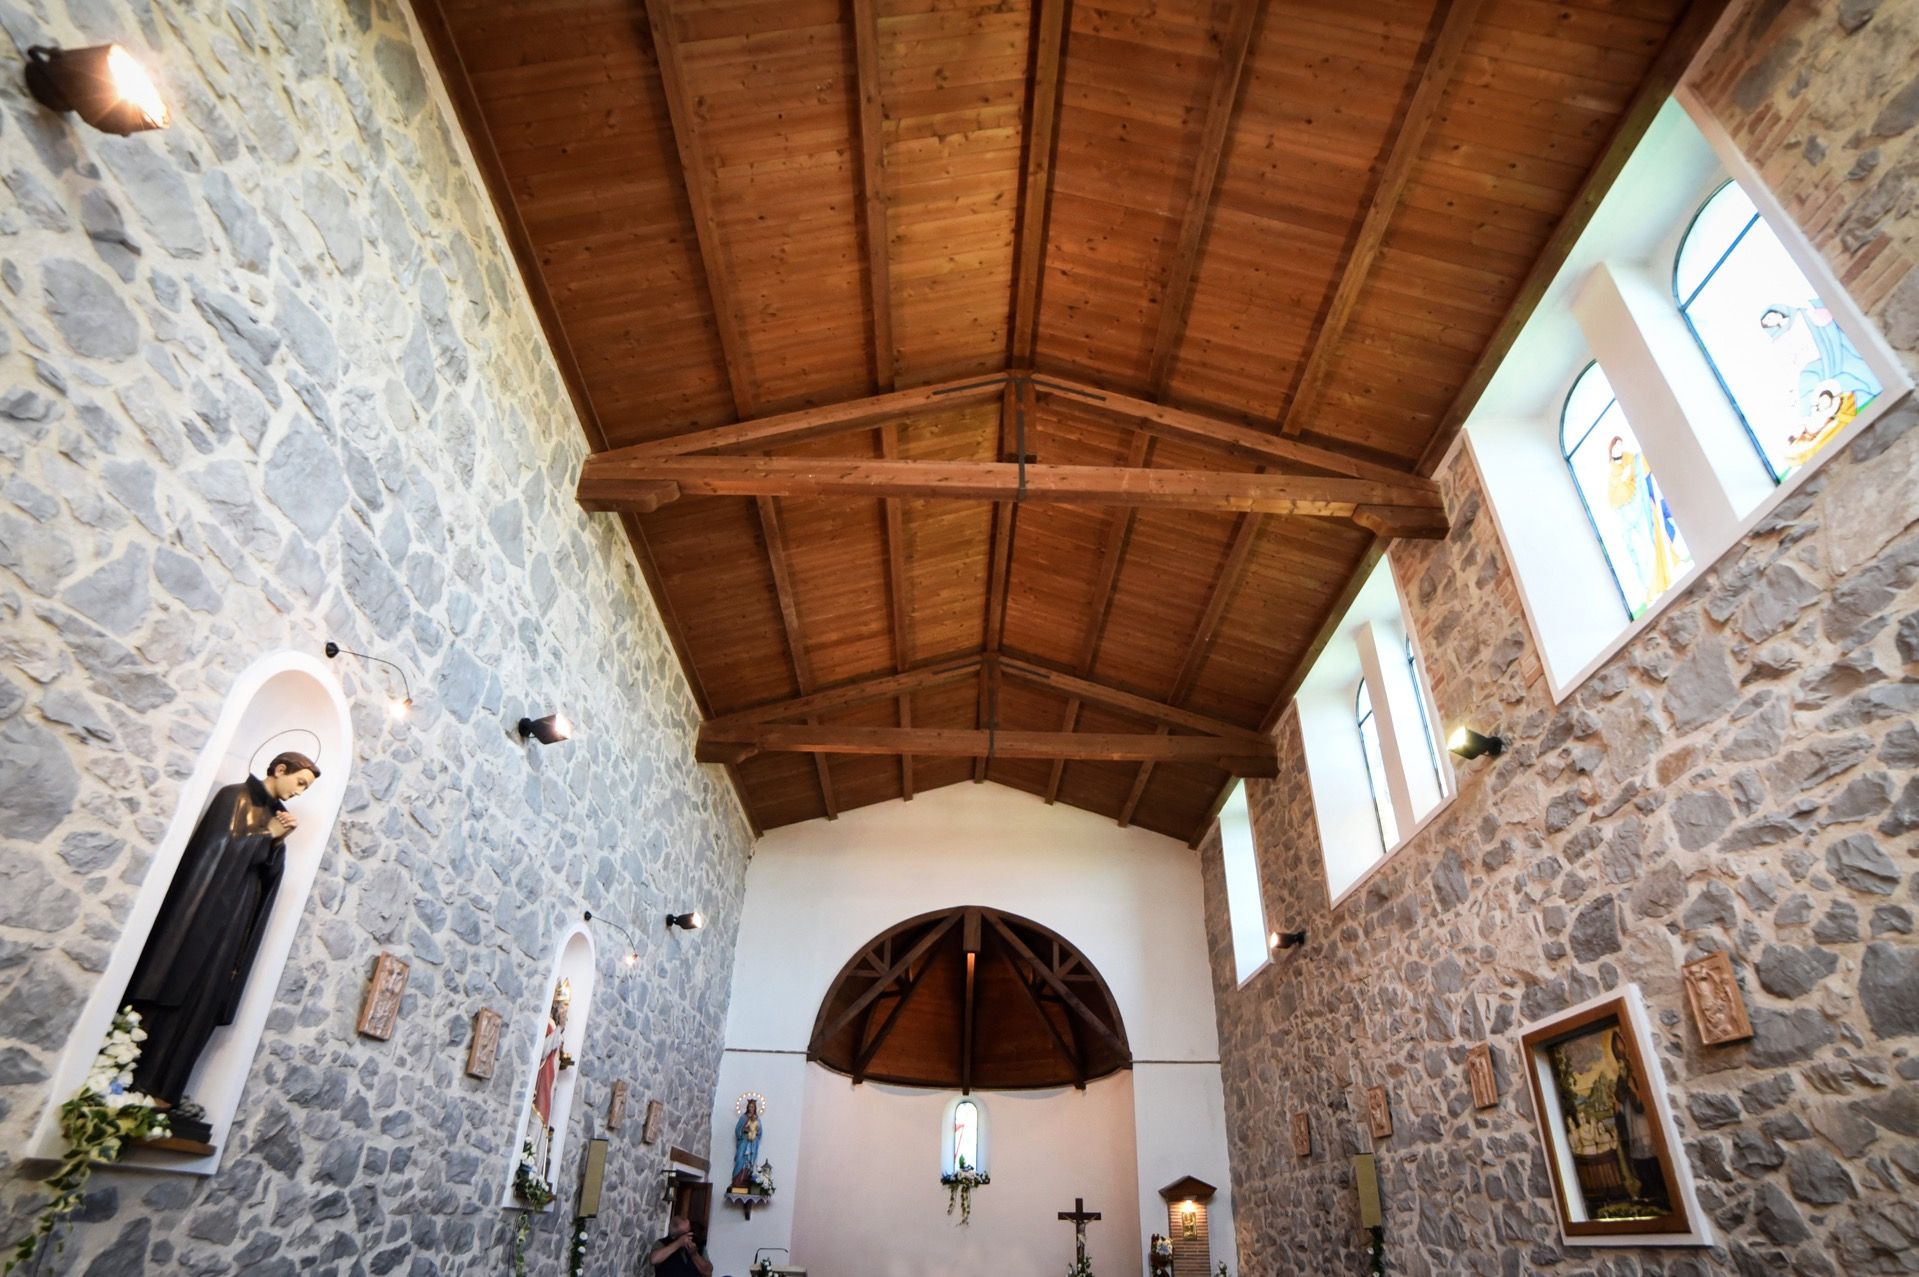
(1620, 1175)
(485, 1048)
(1302, 1136)
(616, 1106)
(1479, 1075)
(650, 1127)
(1379, 1112)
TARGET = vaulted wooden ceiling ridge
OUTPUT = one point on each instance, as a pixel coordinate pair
(1019, 390)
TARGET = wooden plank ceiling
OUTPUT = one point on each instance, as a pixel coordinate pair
(1266, 248)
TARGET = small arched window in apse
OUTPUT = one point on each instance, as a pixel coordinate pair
(1641, 543)
(1793, 375)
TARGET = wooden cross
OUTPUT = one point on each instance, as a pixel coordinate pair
(1081, 1217)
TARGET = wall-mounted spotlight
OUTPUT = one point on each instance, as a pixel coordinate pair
(1286, 939)
(550, 730)
(1469, 744)
(632, 955)
(104, 85)
(396, 706)
(686, 921)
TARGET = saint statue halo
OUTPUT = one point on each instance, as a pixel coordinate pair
(739, 1105)
(291, 731)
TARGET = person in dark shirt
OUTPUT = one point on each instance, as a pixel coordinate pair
(677, 1254)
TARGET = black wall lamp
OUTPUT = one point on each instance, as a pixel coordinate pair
(1469, 744)
(396, 706)
(632, 957)
(686, 921)
(550, 730)
(104, 85)
(1286, 939)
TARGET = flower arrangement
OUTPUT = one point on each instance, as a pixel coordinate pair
(103, 1116)
(960, 1184)
(1161, 1252)
(1082, 1267)
(763, 1266)
(762, 1180)
(532, 1188)
(576, 1254)
(1222, 1269)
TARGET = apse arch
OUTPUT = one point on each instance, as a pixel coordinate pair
(970, 998)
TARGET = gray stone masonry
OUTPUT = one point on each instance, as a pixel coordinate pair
(268, 378)
(1742, 777)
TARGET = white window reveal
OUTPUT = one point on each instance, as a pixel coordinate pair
(963, 1136)
(1245, 910)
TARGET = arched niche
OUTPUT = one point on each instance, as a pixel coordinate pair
(966, 999)
(271, 707)
(574, 960)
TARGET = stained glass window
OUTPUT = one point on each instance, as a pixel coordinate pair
(966, 1135)
(1375, 766)
(1791, 371)
(1629, 514)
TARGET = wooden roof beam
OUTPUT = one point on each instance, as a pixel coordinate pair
(1455, 23)
(1410, 506)
(737, 743)
(866, 79)
(1176, 290)
(1036, 184)
(1248, 443)
(706, 224)
(863, 692)
(812, 423)
(774, 532)
(1086, 689)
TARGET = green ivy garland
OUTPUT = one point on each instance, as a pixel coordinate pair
(537, 1194)
(102, 1118)
(576, 1257)
(1378, 1268)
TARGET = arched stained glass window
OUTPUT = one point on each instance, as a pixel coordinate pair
(1375, 766)
(1792, 373)
(1629, 514)
(966, 1135)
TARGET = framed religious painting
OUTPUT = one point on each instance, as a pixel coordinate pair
(1302, 1135)
(650, 1128)
(1619, 1173)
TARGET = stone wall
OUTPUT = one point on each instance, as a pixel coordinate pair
(1741, 777)
(266, 379)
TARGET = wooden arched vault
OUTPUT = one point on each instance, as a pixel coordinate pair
(1022, 391)
(970, 998)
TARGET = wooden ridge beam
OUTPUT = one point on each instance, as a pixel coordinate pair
(1455, 21)
(774, 532)
(1668, 68)
(866, 79)
(706, 223)
(1412, 505)
(812, 423)
(1248, 443)
(1176, 290)
(1077, 688)
(1014, 403)
(739, 742)
(1036, 181)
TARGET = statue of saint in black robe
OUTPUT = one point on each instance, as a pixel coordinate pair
(194, 967)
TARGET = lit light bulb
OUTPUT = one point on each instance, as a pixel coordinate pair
(1457, 739)
(698, 920)
(1272, 940)
(563, 725)
(632, 959)
(397, 707)
(136, 88)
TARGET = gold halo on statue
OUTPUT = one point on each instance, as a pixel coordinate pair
(739, 1105)
(291, 731)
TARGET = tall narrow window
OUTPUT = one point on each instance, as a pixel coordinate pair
(1425, 720)
(1792, 373)
(1244, 908)
(966, 1135)
(1629, 514)
(1375, 766)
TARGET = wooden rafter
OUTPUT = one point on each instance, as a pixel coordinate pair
(871, 1047)
(706, 223)
(735, 744)
(1074, 687)
(774, 532)
(1036, 184)
(1047, 973)
(1408, 505)
(863, 692)
(1176, 289)
(884, 980)
(1455, 23)
(1074, 1056)
(1015, 401)
(1232, 570)
(814, 423)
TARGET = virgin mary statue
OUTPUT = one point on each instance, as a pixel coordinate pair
(746, 1148)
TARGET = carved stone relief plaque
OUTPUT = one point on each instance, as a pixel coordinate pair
(1717, 1008)
(380, 1011)
(486, 1043)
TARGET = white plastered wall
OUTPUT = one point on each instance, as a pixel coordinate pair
(1130, 900)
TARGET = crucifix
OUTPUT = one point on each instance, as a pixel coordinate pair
(1081, 1217)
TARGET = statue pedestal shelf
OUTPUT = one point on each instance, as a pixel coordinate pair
(173, 1144)
(747, 1201)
